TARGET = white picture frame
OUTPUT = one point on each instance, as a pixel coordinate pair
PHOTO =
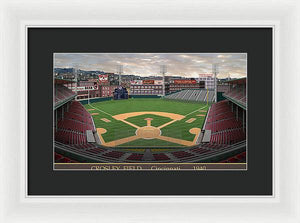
(16, 16)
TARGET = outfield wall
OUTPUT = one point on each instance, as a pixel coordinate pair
(144, 96)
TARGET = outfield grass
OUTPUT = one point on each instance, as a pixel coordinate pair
(118, 129)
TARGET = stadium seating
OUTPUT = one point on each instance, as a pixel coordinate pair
(237, 95)
(62, 159)
(240, 158)
(114, 154)
(182, 154)
(200, 150)
(192, 95)
(135, 157)
(62, 93)
(72, 128)
(102, 154)
(161, 156)
(224, 127)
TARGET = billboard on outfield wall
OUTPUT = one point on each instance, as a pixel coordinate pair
(103, 78)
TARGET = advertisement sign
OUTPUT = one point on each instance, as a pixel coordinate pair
(84, 88)
(185, 82)
(158, 82)
(103, 78)
(205, 75)
(148, 81)
(136, 82)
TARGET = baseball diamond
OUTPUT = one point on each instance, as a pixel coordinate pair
(152, 122)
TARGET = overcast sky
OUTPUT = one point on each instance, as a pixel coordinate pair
(145, 64)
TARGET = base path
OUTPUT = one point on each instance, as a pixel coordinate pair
(133, 114)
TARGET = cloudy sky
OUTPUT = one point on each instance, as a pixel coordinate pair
(146, 64)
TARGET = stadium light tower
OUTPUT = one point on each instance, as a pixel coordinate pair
(215, 71)
(120, 71)
(75, 70)
(163, 71)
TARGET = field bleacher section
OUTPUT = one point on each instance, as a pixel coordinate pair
(193, 95)
(62, 94)
(225, 129)
(72, 128)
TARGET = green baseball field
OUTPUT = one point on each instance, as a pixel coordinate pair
(148, 122)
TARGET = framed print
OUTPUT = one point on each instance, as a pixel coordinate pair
(153, 117)
(119, 110)
(170, 112)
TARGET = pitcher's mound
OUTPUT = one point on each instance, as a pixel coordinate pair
(148, 132)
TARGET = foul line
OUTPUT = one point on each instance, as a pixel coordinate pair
(168, 123)
(100, 110)
(129, 123)
(195, 110)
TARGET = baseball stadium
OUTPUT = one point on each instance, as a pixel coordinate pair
(169, 121)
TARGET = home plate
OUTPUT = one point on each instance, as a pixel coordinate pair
(190, 120)
(105, 120)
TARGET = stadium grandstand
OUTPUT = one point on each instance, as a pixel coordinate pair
(237, 93)
(222, 138)
(200, 95)
(62, 94)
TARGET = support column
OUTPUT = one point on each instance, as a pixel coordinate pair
(62, 112)
(56, 120)
(231, 107)
(237, 112)
(244, 120)
(164, 87)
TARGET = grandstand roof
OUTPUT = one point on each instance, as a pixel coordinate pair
(238, 81)
(63, 81)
